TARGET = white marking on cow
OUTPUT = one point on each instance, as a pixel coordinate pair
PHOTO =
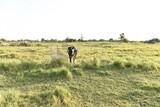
(72, 51)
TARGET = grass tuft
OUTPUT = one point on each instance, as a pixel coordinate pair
(58, 97)
(77, 71)
(28, 65)
(62, 73)
(90, 65)
(104, 73)
(118, 64)
(62, 95)
(58, 62)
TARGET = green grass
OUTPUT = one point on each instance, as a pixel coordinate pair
(105, 75)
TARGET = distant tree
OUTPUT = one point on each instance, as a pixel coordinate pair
(53, 40)
(111, 40)
(122, 38)
(43, 40)
(92, 40)
(125, 40)
(70, 40)
(67, 39)
(101, 40)
(154, 40)
(82, 38)
(37, 40)
(3, 40)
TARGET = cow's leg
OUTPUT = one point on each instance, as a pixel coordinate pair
(74, 58)
(70, 58)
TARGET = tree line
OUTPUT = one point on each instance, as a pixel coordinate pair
(122, 38)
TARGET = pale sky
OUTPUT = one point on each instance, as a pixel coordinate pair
(95, 19)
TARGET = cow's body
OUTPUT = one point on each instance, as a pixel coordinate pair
(72, 52)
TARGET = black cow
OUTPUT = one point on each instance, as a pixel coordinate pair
(72, 52)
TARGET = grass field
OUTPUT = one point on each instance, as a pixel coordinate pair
(106, 74)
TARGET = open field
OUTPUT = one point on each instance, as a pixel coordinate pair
(106, 74)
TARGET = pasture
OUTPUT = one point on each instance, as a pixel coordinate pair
(106, 74)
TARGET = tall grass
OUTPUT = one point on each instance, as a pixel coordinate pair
(119, 64)
(57, 97)
(62, 73)
(19, 66)
(144, 66)
(62, 95)
(116, 74)
(77, 71)
(90, 65)
(57, 62)
(14, 66)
